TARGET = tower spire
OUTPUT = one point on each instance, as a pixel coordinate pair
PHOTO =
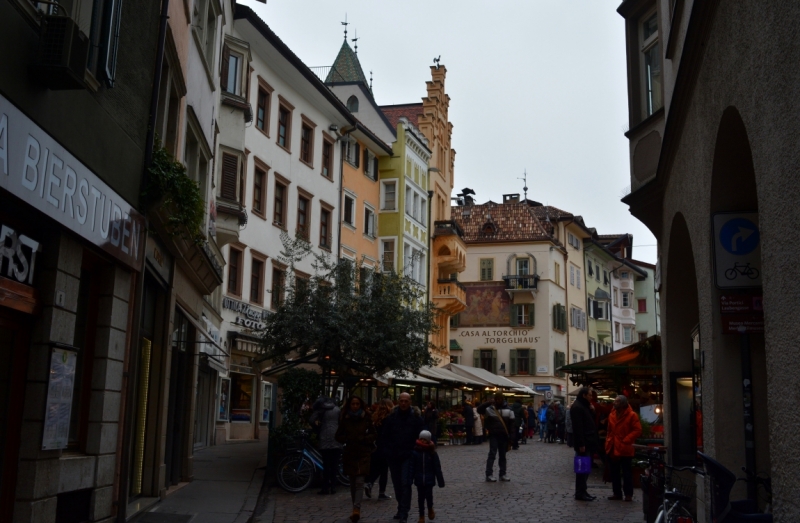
(355, 42)
(345, 24)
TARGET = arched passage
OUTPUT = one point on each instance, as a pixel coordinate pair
(733, 189)
(681, 318)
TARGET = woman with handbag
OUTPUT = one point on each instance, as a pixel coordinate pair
(358, 437)
(584, 435)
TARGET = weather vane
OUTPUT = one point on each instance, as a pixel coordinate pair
(355, 41)
(525, 180)
(345, 24)
(437, 60)
(370, 80)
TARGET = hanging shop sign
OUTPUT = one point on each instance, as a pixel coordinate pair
(37, 169)
(250, 317)
(159, 259)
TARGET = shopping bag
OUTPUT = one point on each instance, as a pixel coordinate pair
(583, 464)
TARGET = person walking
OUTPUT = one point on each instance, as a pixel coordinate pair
(623, 429)
(478, 426)
(531, 421)
(379, 466)
(469, 421)
(432, 420)
(358, 437)
(426, 471)
(560, 421)
(517, 409)
(568, 428)
(551, 422)
(325, 418)
(584, 435)
(499, 423)
(542, 413)
(402, 428)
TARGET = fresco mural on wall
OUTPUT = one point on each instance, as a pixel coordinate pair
(488, 304)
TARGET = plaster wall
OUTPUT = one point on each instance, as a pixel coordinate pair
(355, 243)
(367, 113)
(743, 66)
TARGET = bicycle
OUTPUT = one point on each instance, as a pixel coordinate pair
(297, 470)
(676, 494)
(763, 481)
(741, 268)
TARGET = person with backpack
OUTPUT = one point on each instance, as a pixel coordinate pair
(499, 424)
(542, 413)
(426, 470)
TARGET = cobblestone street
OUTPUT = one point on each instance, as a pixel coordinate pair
(540, 490)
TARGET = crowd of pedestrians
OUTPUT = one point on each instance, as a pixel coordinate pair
(400, 441)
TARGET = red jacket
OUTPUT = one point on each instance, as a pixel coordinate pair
(623, 429)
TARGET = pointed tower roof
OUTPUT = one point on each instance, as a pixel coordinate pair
(346, 67)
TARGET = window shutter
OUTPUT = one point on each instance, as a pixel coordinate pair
(571, 275)
(514, 315)
(531, 315)
(366, 161)
(578, 277)
(476, 358)
(375, 167)
(532, 362)
(512, 356)
(357, 155)
(454, 320)
(555, 317)
(228, 182)
(226, 59)
(494, 361)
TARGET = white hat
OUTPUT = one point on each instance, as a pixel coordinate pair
(425, 435)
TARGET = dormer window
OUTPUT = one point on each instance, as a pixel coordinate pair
(352, 104)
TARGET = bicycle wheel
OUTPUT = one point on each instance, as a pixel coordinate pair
(753, 273)
(679, 512)
(341, 477)
(295, 473)
(731, 274)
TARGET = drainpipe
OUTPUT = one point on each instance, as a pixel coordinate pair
(566, 298)
(127, 400)
(345, 132)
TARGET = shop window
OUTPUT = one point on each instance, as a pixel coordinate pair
(224, 411)
(266, 402)
(241, 397)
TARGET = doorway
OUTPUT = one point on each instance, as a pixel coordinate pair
(178, 403)
(202, 413)
(13, 368)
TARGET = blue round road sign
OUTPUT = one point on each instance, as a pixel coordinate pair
(739, 236)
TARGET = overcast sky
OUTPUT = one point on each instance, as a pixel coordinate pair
(534, 85)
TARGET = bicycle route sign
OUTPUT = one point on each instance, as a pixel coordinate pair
(737, 250)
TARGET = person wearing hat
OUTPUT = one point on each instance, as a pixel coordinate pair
(426, 470)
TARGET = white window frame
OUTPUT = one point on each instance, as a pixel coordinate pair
(384, 185)
(627, 336)
(205, 33)
(626, 299)
(370, 160)
(371, 225)
(646, 45)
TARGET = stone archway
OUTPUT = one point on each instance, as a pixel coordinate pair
(733, 189)
(680, 319)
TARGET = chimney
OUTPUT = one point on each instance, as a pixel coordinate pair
(511, 198)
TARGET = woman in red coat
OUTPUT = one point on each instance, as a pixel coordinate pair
(623, 429)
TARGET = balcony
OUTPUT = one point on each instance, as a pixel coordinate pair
(448, 247)
(450, 296)
(231, 217)
(521, 282)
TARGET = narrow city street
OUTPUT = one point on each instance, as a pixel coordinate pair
(540, 490)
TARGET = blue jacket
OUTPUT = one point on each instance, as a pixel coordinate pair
(543, 414)
(425, 467)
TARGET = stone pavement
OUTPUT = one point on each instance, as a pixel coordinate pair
(227, 482)
(540, 490)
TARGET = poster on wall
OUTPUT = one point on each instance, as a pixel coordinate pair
(488, 304)
(266, 401)
(59, 399)
(224, 399)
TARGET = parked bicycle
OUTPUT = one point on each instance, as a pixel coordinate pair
(723, 510)
(676, 492)
(303, 462)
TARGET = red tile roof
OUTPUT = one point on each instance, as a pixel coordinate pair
(412, 112)
(494, 222)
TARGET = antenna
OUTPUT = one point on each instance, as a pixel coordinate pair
(355, 41)
(437, 60)
(345, 24)
(525, 180)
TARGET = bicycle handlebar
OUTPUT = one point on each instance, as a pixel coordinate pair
(695, 470)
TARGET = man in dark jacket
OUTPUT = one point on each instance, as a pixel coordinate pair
(584, 435)
(499, 422)
(402, 427)
(469, 421)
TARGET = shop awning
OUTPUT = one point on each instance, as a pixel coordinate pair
(454, 345)
(207, 345)
(442, 374)
(484, 376)
(408, 377)
(640, 361)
